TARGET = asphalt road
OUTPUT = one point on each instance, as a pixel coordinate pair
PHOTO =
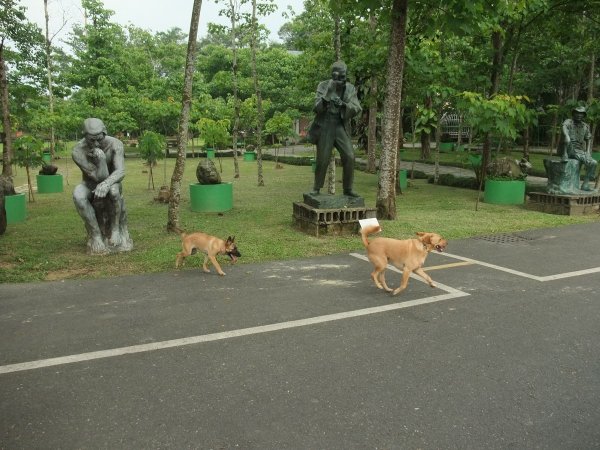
(308, 354)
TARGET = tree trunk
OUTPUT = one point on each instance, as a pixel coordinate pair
(186, 104)
(526, 143)
(7, 148)
(386, 191)
(372, 131)
(29, 186)
(590, 98)
(49, 73)
(236, 100)
(260, 113)
(337, 47)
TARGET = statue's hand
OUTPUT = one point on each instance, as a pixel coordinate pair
(96, 153)
(101, 190)
(337, 101)
(330, 91)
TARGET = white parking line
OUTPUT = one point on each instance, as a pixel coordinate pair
(451, 293)
(557, 276)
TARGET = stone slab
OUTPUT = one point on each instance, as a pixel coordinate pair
(326, 201)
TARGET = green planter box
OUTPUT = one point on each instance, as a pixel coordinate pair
(596, 156)
(211, 197)
(313, 164)
(16, 208)
(49, 184)
(446, 147)
(210, 153)
(475, 160)
(504, 192)
(249, 156)
(403, 179)
(47, 157)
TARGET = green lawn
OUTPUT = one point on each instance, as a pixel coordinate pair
(50, 244)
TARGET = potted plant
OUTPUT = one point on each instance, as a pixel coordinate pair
(12, 205)
(210, 194)
(151, 146)
(280, 127)
(215, 133)
(28, 154)
(501, 116)
(505, 181)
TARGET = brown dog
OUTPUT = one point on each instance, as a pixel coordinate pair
(407, 255)
(210, 245)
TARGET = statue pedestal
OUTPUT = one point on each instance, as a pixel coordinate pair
(330, 221)
(563, 176)
(567, 205)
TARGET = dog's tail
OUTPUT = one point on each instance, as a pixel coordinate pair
(366, 231)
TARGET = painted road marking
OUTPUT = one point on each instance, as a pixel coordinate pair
(557, 276)
(416, 277)
(224, 335)
(448, 266)
(451, 293)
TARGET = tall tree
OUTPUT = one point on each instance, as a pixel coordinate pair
(233, 10)
(182, 137)
(20, 43)
(386, 190)
(49, 69)
(262, 9)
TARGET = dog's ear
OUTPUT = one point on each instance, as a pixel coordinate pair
(231, 239)
(424, 237)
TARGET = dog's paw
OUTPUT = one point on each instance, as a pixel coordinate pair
(433, 285)
(222, 273)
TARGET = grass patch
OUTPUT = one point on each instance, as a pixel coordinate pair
(50, 244)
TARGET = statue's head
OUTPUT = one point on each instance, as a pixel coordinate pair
(338, 72)
(94, 131)
(579, 113)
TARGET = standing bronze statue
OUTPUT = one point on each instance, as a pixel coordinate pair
(576, 141)
(99, 196)
(336, 104)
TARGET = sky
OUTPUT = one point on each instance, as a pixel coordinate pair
(153, 15)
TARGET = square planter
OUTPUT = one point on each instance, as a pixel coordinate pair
(49, 184)
(403, 179)
(475, 160)
(210, 153)
(16, 208)
(249, 156)
(504, 192)
(446, 147)
(211, 197)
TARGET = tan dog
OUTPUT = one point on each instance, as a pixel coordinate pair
(210, 245)
(407, 255)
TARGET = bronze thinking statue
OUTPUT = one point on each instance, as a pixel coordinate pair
(98, 198)
(576, 141)
(335, 104)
